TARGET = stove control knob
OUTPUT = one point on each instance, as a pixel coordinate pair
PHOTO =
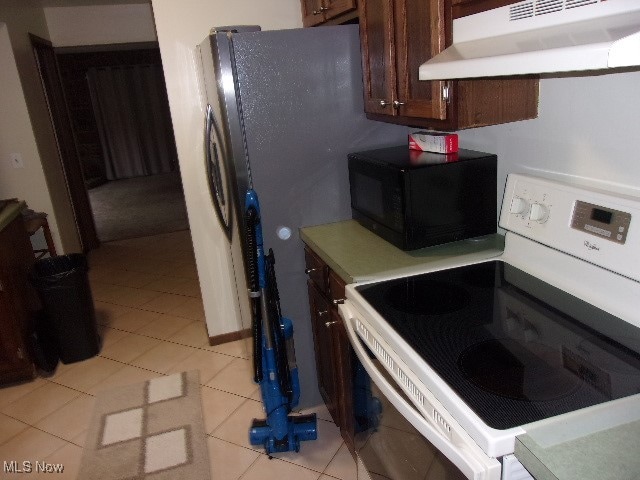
(538, 213)
(518, 205)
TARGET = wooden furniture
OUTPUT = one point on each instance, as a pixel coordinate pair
(18, 301)
(397, 36)
(328, 12)
(32, 225)
(332, 348)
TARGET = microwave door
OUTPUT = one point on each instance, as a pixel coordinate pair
(217, 179)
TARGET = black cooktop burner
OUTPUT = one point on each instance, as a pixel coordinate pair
(514, 348)
(510, 369)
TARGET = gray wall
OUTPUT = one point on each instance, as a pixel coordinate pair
(587, 132)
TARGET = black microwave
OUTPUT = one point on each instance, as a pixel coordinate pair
(417, 199)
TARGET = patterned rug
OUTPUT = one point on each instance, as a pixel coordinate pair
(152, 430)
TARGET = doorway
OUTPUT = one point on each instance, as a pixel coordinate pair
(119, 116)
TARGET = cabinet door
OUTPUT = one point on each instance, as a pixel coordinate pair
(324, 348)
(312, 12)
(317, 270)
(378, 55)
(336, 288)
(343, 352)
(419, 35)
(338, 7)
(18, 302)
(14, 363)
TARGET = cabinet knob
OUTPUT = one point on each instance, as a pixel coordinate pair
(338, 301)
(328, 324)
(384, 103)
(320, 11)
(397, 104)
(322, 313)
(309, 270)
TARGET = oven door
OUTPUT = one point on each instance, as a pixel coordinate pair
(393, 439)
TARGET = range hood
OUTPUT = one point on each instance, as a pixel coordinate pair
(541, 36)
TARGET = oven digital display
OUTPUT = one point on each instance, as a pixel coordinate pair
(601, 221)
(602, 216)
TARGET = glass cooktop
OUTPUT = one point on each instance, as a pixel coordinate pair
(513, 347)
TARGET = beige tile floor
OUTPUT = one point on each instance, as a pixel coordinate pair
(151, 318)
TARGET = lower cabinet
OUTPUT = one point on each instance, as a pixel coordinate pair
(17, 303)
(332, 349)
(324, 343)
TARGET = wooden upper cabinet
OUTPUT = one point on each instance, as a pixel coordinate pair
(336, 8)
(397, 36)
(311, 13)
(316, 12)
(417, 42)
(378, 55)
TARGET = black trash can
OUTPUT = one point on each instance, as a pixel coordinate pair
(62, 283)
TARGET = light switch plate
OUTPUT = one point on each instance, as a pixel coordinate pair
(16, 160)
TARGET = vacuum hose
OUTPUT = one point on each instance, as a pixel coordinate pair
(251, 220)
(279, 341)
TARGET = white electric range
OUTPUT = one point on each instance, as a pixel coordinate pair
(458, 361)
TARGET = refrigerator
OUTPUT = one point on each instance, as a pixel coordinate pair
(282, 109)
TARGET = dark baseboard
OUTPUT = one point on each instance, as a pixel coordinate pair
(229, 337)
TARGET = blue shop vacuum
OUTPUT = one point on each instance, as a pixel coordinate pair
(274, 362)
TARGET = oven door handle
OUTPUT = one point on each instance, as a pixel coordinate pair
(469, 462)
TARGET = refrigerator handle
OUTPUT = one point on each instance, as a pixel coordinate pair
(214, 175)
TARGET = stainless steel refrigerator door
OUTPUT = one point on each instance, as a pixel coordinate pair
(223, 91)
(217, 174)
(221, 125)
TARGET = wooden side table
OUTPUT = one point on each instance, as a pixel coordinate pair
(35, 222)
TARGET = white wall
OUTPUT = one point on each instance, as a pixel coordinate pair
(180, 27)
(14, 137)
(587, 132)
(25, 128)
(100, 24)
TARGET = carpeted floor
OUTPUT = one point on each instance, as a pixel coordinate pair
(139, 207)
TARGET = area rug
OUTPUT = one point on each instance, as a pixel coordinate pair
(152, 430)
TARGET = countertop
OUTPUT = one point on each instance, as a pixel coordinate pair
(358, 255)
(9, 212)
(562, 452)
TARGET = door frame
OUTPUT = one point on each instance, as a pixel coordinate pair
(65, 140)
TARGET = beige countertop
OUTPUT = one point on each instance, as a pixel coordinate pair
(358, 255)
(9, 212)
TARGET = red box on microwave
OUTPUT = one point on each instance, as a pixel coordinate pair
(434, 142)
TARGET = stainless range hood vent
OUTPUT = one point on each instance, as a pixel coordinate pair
(541, 36)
